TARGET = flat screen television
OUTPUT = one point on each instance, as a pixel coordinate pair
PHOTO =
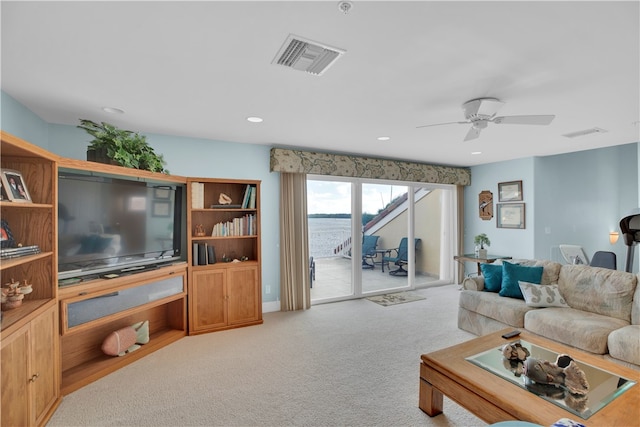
(114, 225)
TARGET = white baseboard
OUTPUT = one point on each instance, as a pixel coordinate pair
(268, 307)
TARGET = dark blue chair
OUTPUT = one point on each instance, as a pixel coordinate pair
(398, 256)
(369, 244)
(604, 259)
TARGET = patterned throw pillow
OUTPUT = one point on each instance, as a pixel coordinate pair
(492, 277)
(512, 273)
(542, 295)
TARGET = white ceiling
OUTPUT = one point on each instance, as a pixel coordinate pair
(198, 69)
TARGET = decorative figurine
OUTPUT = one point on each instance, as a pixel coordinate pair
(224, 199)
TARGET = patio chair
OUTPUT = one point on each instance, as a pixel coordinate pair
(400, 258)
(312, 271)
(369, 244)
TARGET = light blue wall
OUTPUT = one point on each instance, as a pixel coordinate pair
(579, 198)
(517, 243)
(186, 157)
(16, 119)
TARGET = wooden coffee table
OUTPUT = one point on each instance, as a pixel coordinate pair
(493, 399)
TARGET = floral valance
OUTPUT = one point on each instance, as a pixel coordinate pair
(296, 161)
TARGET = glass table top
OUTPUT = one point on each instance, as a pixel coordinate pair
(603, 386)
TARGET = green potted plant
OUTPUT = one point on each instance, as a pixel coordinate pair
(121, 147)
(481, 240)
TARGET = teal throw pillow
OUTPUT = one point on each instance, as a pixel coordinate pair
(492, 277)
(512, 273)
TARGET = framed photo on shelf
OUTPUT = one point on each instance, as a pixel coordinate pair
(6, 237)
(14, 186)
(510, 215)
(160, 209)
(510, 191)
(161, 193)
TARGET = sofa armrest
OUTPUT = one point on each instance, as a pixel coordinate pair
(473, 283)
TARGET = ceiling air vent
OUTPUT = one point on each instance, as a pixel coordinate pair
(306, 55)
(584, 132)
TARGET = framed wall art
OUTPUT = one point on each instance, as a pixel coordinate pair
(14, 186)
(510, 191)
(485, 205)
(510, 215)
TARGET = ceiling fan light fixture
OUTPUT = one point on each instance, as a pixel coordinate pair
(481, 108)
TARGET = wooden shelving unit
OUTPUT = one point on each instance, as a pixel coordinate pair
(30, 360)
(225, 294)
(82, 358)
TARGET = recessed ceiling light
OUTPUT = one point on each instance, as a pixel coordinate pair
(475, 153)
(112, 110)
(254, 119)
(384, 138)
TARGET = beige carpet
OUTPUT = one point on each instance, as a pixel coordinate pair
(350, 363)
(396, 298)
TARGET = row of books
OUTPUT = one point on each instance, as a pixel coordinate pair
(203, 254)
(6, 253)
(197, 195)
(241, 226)
(249, 199)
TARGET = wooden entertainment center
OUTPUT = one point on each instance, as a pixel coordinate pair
(51, 344)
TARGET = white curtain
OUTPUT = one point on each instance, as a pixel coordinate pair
(295, 292)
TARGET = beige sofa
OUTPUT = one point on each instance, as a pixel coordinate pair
(601, 314)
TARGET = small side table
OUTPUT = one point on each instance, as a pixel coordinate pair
(478, 260)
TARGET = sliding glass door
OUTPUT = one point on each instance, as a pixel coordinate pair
(402, 238)
(385, 220)
(330, 239)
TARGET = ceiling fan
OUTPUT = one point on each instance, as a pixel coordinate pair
(480, 112)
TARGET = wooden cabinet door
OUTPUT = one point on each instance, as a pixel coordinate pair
(243, 291)
(15, 379)
(45, 363)
(208, 300)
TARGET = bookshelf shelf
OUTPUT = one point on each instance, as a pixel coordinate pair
(223, 294)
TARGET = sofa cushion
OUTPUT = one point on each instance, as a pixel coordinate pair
(506, 310)
(581, 329)
(542, 295)
(551, 270)
(492, 277)
(624, 344)
(598, 290)
(513, 273)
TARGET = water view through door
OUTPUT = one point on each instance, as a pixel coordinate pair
(329, 227)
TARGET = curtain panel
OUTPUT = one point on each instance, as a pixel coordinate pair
(307, 162)
(295, 292)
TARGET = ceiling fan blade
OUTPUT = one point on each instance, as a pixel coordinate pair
(473, 133)
(525, 120)
(440, 124)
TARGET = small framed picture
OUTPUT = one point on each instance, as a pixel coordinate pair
(14, 186)
(510, 215)
(510, 191)
(6, 237)
(161, 193)
(160, 209)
